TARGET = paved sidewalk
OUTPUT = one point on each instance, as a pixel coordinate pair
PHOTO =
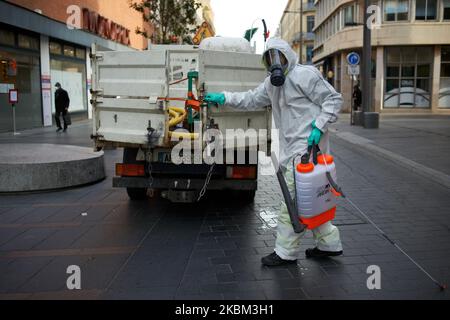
(158, 250)
(422, 139)
(78, 134)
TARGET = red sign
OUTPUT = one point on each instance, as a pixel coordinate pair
(13, 96)
(95, 23)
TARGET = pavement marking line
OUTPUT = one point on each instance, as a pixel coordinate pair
(67, 252)
(426, 172)
(133, 253)
(41, 225)
(75, 204)
(349, 137)
(91, 294)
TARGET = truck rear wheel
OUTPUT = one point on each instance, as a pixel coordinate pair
(137, 193)
(247, 196)
(129, 157)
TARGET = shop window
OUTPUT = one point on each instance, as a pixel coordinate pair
(7, 37)
(55, 48)
(426, 9)
(424, 70)
(392, 71)
(27, 80)
(408, 71)
(408, 77)
(28, 42)
(444, 92)
(69, 51)
(81, 53)
(71, 73)
(396, 10)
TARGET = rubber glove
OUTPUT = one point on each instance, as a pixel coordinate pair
(316, 135)
(215, 97)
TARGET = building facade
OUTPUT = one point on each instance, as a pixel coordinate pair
(290, 27)
(43, 42)
(410, 51)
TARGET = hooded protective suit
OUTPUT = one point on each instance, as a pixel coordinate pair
(304, 97)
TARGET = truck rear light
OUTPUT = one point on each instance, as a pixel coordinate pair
(242, 173)
(130, 170)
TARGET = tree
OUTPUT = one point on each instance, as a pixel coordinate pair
(171, 19)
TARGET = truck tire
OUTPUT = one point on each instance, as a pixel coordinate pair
(129, 157)
(242, 196)
(137, 193)
(247, 196)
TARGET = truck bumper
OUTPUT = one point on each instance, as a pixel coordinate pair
(184, 184)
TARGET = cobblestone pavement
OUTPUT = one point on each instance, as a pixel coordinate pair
(158, 250)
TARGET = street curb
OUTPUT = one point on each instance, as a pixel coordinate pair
(426, 172)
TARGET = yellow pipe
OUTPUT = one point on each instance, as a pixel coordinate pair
(177, 116)
(183, 135)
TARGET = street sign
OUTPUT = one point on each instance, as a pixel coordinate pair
(353, 59)
(354, 70)
(13, 96)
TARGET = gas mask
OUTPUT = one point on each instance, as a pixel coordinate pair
(277, 65)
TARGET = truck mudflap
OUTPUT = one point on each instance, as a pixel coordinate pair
(183, 184)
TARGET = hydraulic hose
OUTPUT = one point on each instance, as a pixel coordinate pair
(177, 116)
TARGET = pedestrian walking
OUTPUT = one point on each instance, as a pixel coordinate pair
(357, 98)
(62, 103)
(304, 104)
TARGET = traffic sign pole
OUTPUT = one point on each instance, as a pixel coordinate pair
(14, 119)
(353, 60)
(13, 99)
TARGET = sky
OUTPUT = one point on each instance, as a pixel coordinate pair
(233, 17)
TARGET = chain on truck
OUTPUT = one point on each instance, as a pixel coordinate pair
(141, 100)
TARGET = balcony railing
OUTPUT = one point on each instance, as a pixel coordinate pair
(307, 36)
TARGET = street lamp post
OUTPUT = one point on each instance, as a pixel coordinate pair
(370, 119)
(301, 33)
(366, 62)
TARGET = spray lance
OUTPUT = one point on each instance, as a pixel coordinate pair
(291, 207)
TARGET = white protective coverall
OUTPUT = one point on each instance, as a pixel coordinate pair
(304, 97)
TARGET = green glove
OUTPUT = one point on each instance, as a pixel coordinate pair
(316, 135)
(215, 97)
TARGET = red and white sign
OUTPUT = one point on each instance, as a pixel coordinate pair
(13, 96)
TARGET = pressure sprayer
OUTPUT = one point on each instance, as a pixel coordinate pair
(316, 193)
(315, 190)
(315, 196)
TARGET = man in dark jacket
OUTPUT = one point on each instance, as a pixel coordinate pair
(357, 98)
(62, 103)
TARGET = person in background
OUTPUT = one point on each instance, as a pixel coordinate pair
(357, 98)
(62, 103)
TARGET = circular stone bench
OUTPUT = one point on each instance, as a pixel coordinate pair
(39, 167)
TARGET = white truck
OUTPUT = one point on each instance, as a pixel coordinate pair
(141, 99)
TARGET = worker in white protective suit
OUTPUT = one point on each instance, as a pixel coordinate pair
(304, 104)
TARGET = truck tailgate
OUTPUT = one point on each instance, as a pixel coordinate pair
(125, 88)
